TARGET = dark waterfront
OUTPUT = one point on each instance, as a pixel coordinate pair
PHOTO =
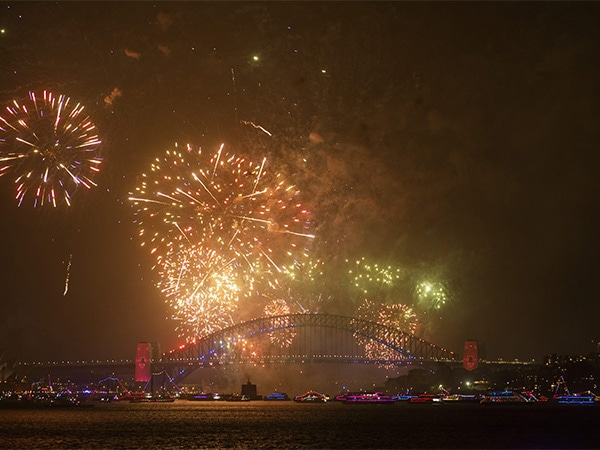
(184, 424)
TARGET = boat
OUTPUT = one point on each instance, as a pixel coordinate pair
(451, 398)
(201, 397)
(426, 398)
(277, 396)
(207, 397)
(34, 400)
(112, 389)
(507, 397)
(131, 396)
(237, 398)
(153, 400)
(106, 397)
(155, 392)
(311, 397)
(580, 398)
(403, 397)
(567, 398)
(342, 397)
(367, 397)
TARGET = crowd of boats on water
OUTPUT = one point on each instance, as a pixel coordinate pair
(49, 398)
(490, 398)
(42, 396)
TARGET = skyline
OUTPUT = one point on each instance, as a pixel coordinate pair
(454, 143)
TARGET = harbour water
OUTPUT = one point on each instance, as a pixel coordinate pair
(259, 424)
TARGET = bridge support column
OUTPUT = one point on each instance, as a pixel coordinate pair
(471, 356)
(143, 359)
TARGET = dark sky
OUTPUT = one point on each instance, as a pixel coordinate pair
(456, 140)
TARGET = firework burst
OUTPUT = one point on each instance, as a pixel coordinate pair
(199, 285)
(374, 280)
(423, 290)
(431, 296)
(284, 335)
(249, 220)
(228, 202)
(301, 285)
(50, 147)
(396, 317)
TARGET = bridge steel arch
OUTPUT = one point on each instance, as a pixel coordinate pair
(406, 346)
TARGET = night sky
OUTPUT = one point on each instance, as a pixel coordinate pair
(459, 141)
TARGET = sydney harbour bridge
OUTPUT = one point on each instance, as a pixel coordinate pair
(318, 337)
(281, 339)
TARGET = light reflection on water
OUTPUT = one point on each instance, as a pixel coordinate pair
(184, 425)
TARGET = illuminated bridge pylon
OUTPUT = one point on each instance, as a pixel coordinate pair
(310, 336)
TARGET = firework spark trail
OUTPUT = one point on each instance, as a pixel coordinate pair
(246, 122)
(183, 233)
(51, 148)
(262, 166)
(217, 161)
(68, 275)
